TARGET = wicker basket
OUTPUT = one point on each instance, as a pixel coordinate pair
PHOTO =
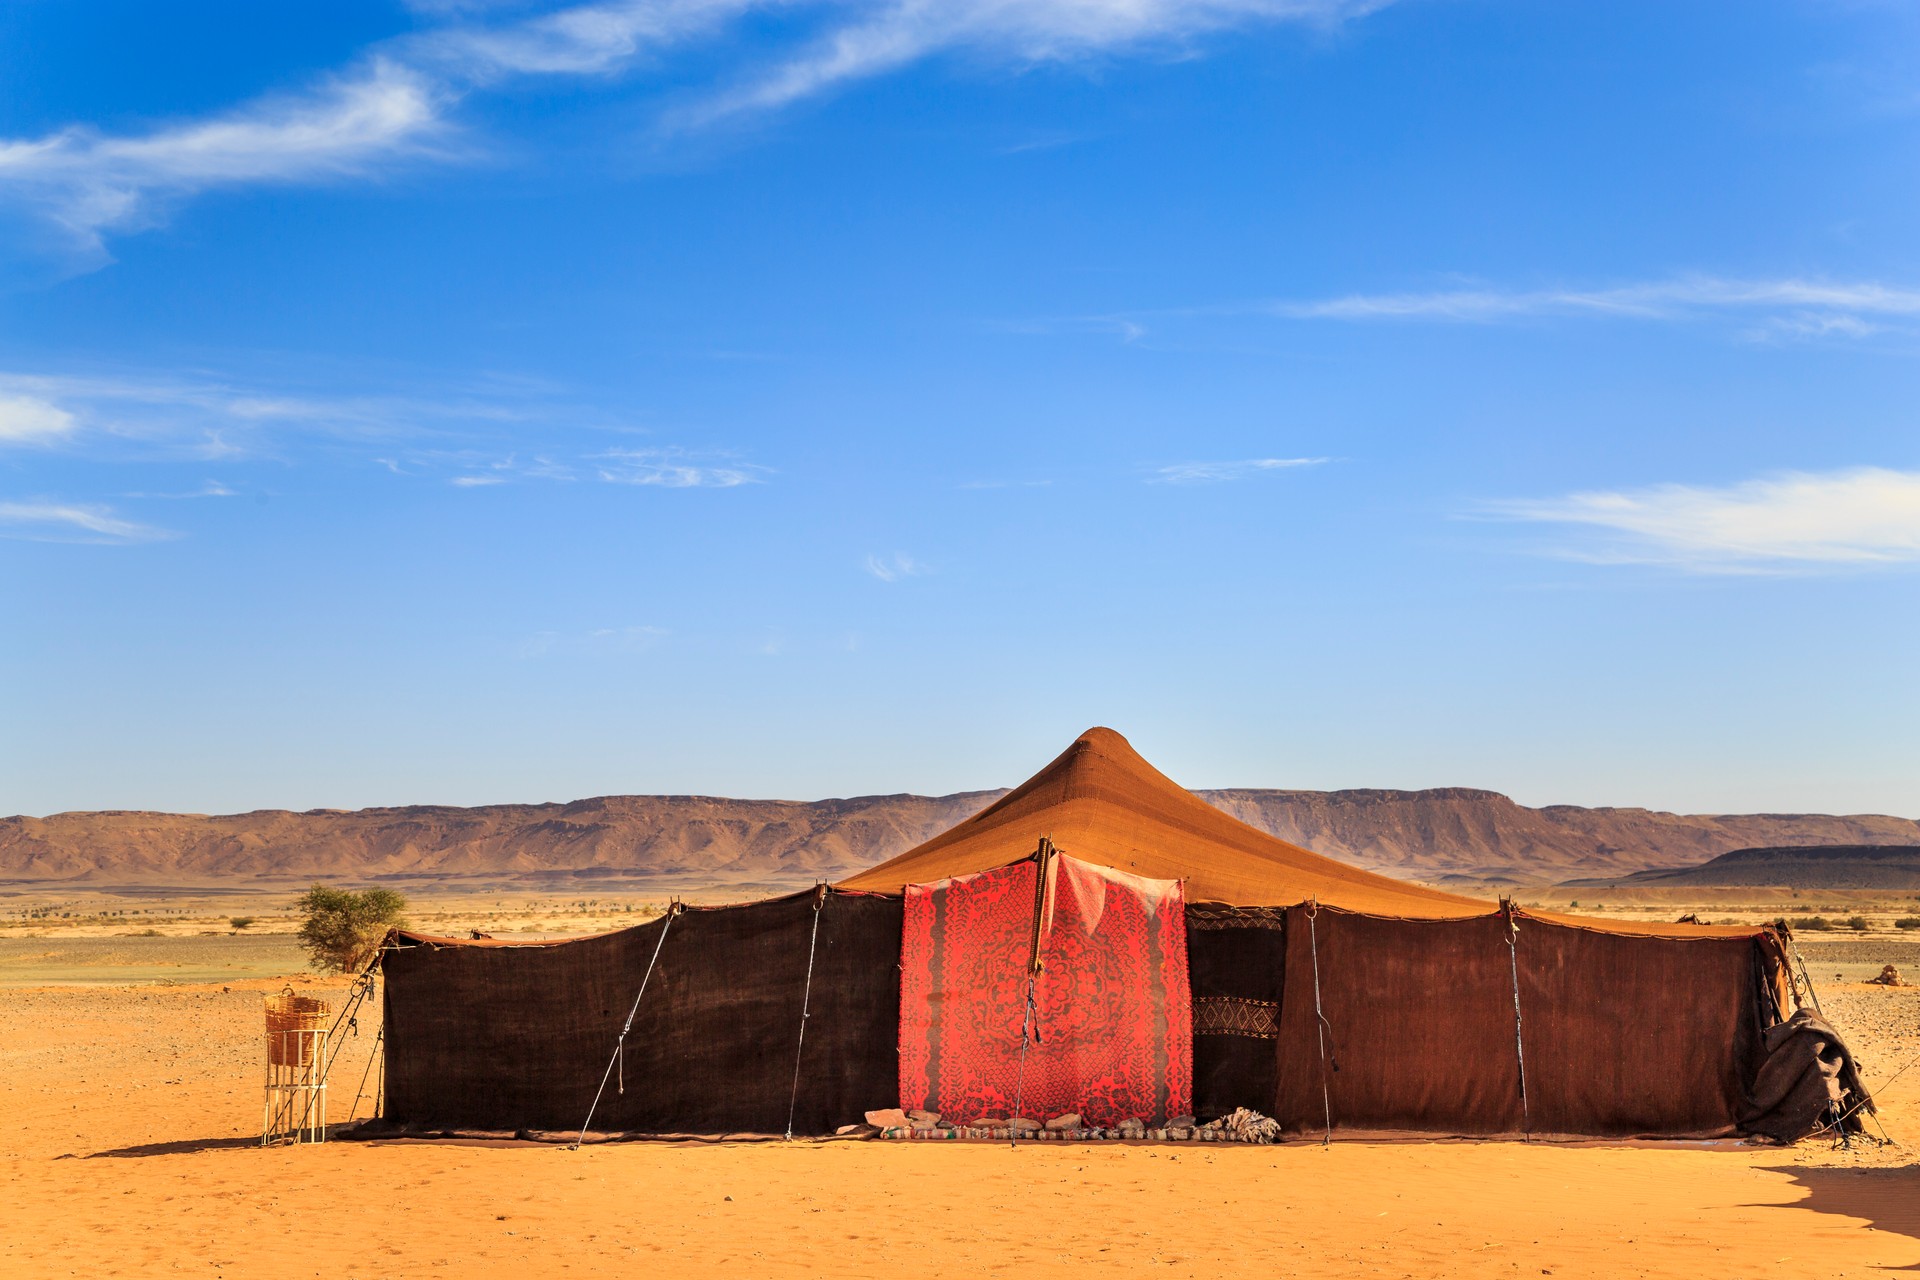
(288, 1014)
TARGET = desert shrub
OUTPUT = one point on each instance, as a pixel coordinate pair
(240, 922)
(1858, 923)
(1815, 924)
(1907, 922)
(340, 928)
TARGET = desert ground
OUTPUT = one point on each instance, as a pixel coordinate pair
(131, 1072)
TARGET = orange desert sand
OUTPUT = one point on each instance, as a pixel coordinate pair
(130, 1150)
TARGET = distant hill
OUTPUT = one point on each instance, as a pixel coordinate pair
(1461, 832)
(1431, 835)
(603, 839)
(1444, 834)
(1841, 866)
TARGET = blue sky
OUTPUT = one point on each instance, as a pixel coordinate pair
(466, 402)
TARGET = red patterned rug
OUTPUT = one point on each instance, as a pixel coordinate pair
(1115, 1018)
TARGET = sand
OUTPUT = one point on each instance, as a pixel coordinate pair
(130, 1150)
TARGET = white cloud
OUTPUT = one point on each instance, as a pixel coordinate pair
(31, 420)
(878, 38)
(1214, 472)
(1808, 306)
(74, 522)
(590, 39)
(89, 182)
(397, 98)
(674, 469)
(1859, 517)
(211, 489)
(895, 567)
(474, 482)
(599, 640)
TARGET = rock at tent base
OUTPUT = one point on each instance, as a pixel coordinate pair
(924, 1117)
(1180, 1122)
(887, 1118)
(1023, 1124)
(991, 1122)
(1071, 1120)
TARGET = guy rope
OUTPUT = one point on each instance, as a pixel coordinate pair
(1322, 1028)
(1029, 1021)
(620, 1045)
(806, 1005)
(1519, 1042)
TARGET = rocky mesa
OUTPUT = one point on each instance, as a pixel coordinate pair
(1432, 835)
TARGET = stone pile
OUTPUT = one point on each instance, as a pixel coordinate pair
(1242, 1126)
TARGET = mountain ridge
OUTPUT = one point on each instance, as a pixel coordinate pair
(1437, 833)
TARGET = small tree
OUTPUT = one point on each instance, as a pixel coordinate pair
(240, 922)
(340, 928)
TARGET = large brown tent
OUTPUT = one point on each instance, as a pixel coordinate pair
(1327, 996)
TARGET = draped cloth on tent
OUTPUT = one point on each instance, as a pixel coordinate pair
(1113, 1032)
(501, 1037)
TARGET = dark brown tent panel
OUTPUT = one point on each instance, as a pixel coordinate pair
(1442, 1026)
(510, 1037)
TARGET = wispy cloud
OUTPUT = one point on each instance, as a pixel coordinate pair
(1841, 304)
(1784, 308)
(208, 415)
(1864, 516)
(90, 183)
(599, 640)
(583, 40)
(873, 39)
(1216, 472)
(73, 522)
(895, 567)
(676, 469)
(31, 420)
(211, 489)
(396, 103)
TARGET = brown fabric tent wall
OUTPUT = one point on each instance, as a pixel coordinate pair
(507, 1037)
(1621, 1035)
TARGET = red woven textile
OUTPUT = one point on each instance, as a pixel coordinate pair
(1115, 1018)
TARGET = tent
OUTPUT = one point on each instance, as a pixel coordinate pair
(1329, 997)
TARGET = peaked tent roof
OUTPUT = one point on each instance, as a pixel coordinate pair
(1101, 802)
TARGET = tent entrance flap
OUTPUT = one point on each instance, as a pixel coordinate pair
(1112, 1024)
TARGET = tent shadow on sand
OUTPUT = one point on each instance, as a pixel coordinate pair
(1888, 1199)
(181, 1147)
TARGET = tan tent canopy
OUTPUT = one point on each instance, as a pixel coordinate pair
(1101, 802)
